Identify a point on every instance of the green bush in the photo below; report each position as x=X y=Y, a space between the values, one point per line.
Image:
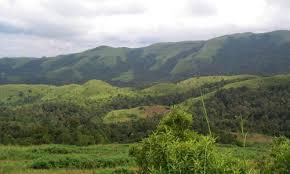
x=175 y=148
x=55 y=149
x=78 y=161
x=278 y=161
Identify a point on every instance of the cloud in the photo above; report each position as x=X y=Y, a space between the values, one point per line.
x=90 y=8
x=8 y=28
x=201 y=8
x=51 y=27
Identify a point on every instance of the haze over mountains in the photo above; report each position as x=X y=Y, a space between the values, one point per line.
x=244 y=53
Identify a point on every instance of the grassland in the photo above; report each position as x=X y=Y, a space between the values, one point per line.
x=97 y=159
x=65 y=159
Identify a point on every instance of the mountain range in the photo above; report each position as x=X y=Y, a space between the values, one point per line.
x=243 y=53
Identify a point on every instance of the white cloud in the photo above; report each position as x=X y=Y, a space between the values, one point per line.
x=51 y=27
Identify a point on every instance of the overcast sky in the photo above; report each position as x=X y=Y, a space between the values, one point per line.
x=51 y=27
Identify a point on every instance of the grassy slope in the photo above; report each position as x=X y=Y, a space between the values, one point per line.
x=189 y=84
x=194 y=83
x=97 y=89
x=163 y=89
x=92 y=90
x=142 y=112
x=206 y=53
x=251 y=83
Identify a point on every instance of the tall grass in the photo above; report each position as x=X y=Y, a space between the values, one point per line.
x=205 y=112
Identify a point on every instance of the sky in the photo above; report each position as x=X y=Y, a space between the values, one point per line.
x=36 y=28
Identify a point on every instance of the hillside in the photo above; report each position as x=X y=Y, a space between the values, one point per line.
x=245 y=53
x=97 y=90
x=97 y=112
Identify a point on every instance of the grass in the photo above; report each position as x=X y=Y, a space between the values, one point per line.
x=251 y=152
x=91 y=90
x=64 y=158
x=97 y=159
x=125 y=115
x=125 y=76
x=206 y=53
x=252 y=82
x=191 y=83
x=95 y=90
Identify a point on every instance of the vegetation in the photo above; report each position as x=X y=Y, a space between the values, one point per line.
x=21 y=159
x=111 y=159
x=175 y=148
x=278 y=161
x=97 y=112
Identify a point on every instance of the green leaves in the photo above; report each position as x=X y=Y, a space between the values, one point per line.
x=278 y=161
x=175 y=148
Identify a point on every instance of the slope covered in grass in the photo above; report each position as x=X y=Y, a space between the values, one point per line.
x=254 y=83
x=91 y=90
x=192 y=83
x=133 y=114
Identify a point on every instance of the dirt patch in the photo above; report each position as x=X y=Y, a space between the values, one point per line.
x=150 y=111
x=256 y=138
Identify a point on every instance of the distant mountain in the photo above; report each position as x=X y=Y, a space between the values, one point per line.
x=245 y=53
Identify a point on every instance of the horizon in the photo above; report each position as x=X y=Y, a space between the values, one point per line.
x=37 y=28
x=88 y=49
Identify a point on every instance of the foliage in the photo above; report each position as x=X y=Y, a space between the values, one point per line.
x=278 y=161
x=111 y=158
x=79 y=161
x=18 y=159
x=265 y=110
x=175 y=148
x=96 y=112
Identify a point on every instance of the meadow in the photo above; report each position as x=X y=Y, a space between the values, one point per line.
x=95 y=159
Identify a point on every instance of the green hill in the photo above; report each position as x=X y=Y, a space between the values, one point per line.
x=255 y=83
x=245 y=53
x=97 y=112
x=93 y=90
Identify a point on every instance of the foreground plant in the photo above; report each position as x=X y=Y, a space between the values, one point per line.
x=175 y=148
x=278 y=161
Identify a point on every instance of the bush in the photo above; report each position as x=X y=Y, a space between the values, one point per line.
x=55 y=149
x=78 y=161
x=174 y=148
x=278 y=161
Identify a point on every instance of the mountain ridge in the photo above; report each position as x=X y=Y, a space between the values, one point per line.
x=241 y=53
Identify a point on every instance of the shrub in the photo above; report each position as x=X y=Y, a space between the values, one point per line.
x=278 y=161
x=55 y=149
x=174 y=148
x=78 y=161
